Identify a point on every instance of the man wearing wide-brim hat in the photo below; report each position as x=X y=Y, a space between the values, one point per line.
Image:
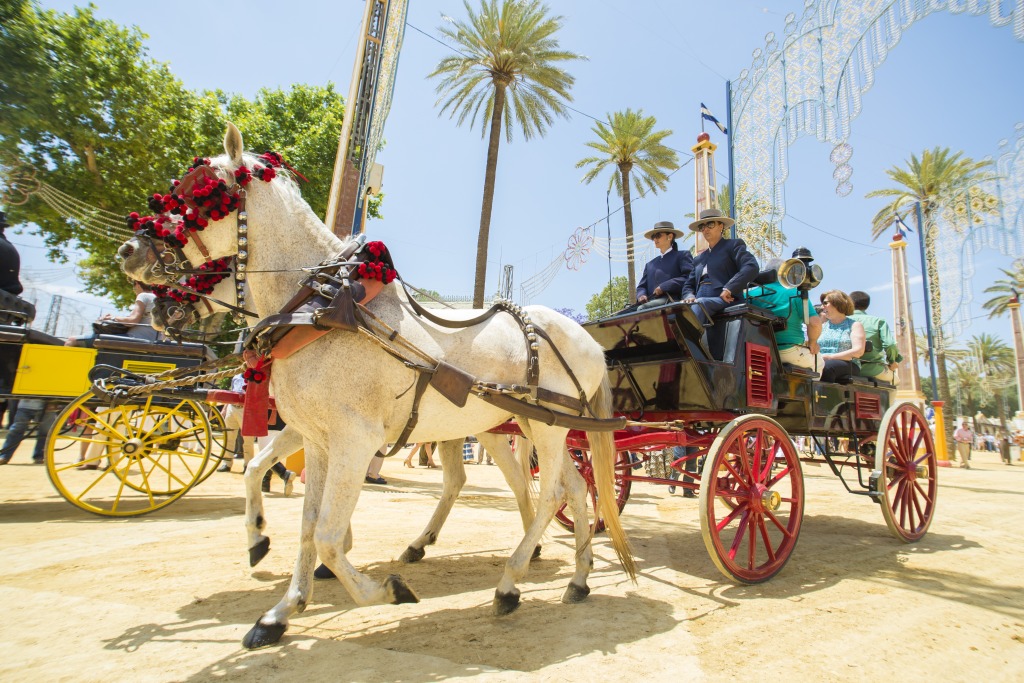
x=664 y=274
x=722 y=271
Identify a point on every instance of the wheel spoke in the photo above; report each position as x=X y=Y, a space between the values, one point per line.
x=755 y=469
x=738 y=541
x=733 y=514
x=765 y=539
x=775 y=520
x=779 y=477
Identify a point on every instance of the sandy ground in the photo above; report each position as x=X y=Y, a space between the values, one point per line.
x=168 y=597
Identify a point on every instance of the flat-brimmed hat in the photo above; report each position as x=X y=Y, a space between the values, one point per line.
x=711 y=216
x=663 y=226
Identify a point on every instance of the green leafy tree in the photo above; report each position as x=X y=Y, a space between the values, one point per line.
x=634 y=152
x=507 y=73
x=1006 y=289
x=97 y=119
x=931 y=182
x=612 y=298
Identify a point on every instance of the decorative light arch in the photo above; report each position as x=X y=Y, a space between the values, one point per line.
x=811 y=83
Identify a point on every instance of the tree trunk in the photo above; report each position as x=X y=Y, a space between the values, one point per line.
x=627 y=209
x=480 y=282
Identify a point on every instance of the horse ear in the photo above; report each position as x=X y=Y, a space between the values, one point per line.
x=233 y=144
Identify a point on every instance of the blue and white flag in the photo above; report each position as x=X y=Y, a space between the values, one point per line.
x=901 y=227
x=705 y=113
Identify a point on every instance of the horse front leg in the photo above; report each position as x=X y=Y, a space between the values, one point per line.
x=453 y=475
x=550 y=443
x=576 y=494
x=285 y=444
x=272 y=625
x=345 y=476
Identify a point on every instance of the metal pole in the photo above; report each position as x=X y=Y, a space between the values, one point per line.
x=927 y=304
x=732 y=168
x=608 y=225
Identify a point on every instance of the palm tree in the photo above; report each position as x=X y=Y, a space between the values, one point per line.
x=629 y=145
x=1007 y=289
x=507 y=51
x=929 y=183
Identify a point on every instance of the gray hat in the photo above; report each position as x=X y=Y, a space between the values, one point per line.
x=711 y=216
x=663 y=226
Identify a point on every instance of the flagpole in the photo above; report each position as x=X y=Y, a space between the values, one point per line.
x=732 y=168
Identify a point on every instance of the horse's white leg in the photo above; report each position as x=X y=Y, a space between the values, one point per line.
x=286 y=443
x=272 y=625
x=345 y=475
x=454 y=478
x=576 y=494
x=550 y=443
x=515 y=474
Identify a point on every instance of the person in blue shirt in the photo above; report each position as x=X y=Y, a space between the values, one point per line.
x=664 y=274
x=722 y=271
x=788 y=304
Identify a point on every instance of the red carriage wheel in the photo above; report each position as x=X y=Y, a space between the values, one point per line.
x=907 y=460
x=581 y=459
x=751 y=499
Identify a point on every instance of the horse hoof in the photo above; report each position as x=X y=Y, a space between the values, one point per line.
x=536 y=554
x=574 y=594
x=399 y=591
x=412 y=555
x=505 y=603
x=259 y=551
x=263 y=635
x=323 y=572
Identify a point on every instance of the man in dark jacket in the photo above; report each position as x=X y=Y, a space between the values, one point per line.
x=722 y=271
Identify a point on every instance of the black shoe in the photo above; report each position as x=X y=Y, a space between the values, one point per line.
x=375 y=480
x=225 y=466
x=689 y=494
x=323 y=572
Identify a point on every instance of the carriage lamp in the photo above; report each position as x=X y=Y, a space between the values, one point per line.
x=795 y=274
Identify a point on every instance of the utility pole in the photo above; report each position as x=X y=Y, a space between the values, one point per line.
x=53 y=315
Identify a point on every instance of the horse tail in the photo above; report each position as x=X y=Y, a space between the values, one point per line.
x=523 y=454
x=603 y=455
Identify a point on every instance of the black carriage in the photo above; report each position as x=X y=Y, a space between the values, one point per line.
x=723 y=394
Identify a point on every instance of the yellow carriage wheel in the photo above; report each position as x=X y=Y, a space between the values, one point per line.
x=127 y=460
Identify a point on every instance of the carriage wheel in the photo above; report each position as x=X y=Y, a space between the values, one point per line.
x=127 y=460
x=751 y=499
x=622 y=485
x=219 y=451
x=909 y=481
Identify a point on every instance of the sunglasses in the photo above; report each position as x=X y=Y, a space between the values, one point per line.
x=708 y=226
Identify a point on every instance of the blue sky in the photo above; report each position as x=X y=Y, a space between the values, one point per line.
x=950 y=82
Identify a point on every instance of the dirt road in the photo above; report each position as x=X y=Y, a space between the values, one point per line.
x=168 y=597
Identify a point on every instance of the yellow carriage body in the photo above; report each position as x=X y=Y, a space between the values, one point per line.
x=46 y=370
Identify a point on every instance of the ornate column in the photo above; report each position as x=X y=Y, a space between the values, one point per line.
x=704 y=182
x=1018 y=351
x=909 y=386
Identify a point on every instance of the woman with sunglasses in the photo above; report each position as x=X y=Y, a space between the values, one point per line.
x=842 y=338
x=664 y=274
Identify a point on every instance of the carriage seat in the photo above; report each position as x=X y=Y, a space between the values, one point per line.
x=746 y=307
x=25 y=335
x=791 y=369
x=866 y=382
x=110 y=342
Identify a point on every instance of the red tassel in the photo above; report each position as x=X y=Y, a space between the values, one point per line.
x=257 y=402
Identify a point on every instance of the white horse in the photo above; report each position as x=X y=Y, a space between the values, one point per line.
x=348 y=397
x=167 y=312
